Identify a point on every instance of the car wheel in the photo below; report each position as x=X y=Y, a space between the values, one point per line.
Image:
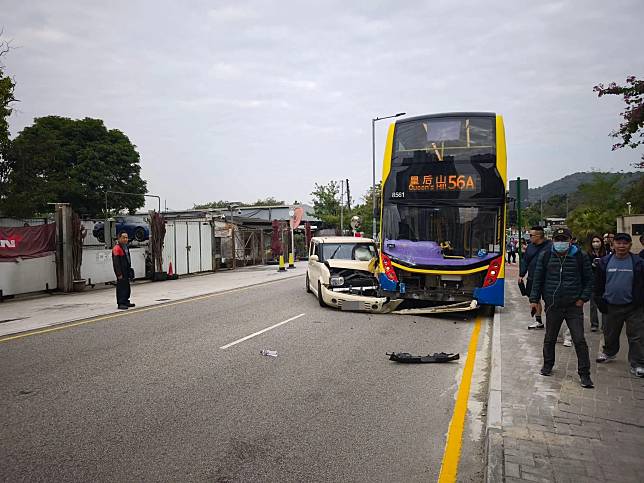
x=100 y=236
x=139 y=234
x=320 y=299
x=308 y=284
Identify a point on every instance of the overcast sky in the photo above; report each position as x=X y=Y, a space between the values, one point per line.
x=244 y=100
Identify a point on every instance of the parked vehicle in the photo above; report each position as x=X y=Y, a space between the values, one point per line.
x=341 y=274
x=136 y=228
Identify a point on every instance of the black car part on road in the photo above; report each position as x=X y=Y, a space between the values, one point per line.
x=436 y=357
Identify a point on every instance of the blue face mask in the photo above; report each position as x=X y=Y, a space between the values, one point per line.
x=561 y=246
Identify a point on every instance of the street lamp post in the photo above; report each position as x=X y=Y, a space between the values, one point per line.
x=373 y=171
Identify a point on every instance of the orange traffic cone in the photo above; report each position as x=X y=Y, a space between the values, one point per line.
x=170 y=271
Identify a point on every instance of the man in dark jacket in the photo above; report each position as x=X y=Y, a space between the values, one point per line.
x=619 y=294
x=123 y=270
x=563 y=278
x=528 y=263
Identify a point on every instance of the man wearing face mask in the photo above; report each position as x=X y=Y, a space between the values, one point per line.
x=563 y=278
x=619 y=293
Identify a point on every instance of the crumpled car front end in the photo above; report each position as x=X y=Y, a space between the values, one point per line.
x=352 y=286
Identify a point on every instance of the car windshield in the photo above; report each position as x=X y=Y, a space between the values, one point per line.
x=362 y=252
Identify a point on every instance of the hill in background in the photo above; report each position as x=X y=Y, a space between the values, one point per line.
x=569 y=184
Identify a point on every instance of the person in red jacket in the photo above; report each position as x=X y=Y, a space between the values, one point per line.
x=123 y=271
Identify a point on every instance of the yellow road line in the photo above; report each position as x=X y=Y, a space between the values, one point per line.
x=130 y=312
x=452 y=454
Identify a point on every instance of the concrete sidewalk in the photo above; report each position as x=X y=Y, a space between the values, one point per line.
x=550 y=428
x=25 y=314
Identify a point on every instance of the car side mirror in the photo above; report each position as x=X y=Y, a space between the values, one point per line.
x=314 y=258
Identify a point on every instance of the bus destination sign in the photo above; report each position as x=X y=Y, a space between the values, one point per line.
x=443 y=183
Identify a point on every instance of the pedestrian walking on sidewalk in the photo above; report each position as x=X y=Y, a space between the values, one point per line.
x=595 y=252
x=563 y=278
x=619 y=294
x=511 y=249
x=527 y=265
x=123 y=271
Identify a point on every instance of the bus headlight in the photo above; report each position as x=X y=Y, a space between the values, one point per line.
x=337 y=281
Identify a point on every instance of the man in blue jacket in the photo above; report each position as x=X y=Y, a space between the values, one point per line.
x=619 y=293
x=563 y=278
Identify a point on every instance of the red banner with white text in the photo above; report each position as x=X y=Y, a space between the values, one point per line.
x=27 y=242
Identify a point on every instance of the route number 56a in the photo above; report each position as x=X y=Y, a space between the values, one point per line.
x=398 y=194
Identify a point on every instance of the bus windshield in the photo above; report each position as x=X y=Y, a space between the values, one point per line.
x=446 y=138
x=459 y=231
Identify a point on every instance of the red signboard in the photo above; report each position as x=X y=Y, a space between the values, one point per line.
x=27 y=242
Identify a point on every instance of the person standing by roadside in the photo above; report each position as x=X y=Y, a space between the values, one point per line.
x=608 y=242
x=123 y=271
x=563 y=278
x=527 y=265
x=512 y=251
x=642 y=243
x=619 y=294
x=595 y=252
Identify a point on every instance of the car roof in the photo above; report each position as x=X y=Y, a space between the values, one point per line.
x=341 y=239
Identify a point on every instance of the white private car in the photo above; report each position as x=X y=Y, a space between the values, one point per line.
x=341 y=274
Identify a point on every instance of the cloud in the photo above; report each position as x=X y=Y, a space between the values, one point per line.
x=256 y=99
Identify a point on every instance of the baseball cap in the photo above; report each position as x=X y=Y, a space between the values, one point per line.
x=623 y=236
x=562 y=233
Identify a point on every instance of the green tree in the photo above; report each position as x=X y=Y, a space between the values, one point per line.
x=214 y=204
x=634 y=194
x=269 y=201
x=633 y=116
x=326 y=203
x=602 y=192
x=587 y=221
x=6 y=99
x=365 y=210
x=73 y=161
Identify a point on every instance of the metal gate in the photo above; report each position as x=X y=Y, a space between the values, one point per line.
x=188 y=245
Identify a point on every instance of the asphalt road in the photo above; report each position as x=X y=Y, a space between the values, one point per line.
x=151 y=396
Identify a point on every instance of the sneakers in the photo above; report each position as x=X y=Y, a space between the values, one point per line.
x=637 y=371
x=603 y=357
x=546 y=371
x=586 y=382
x=536 y=325
x=567 y=342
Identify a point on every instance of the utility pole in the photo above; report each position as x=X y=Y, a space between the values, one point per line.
x=341 y=207
x=519 y=217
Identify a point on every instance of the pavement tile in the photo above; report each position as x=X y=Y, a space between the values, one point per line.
x=523 y=459
x=552 y=428
x=512 y=469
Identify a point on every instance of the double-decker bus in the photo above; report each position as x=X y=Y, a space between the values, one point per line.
x=443 y=209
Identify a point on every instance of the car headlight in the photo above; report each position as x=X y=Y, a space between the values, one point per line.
x=337 y=281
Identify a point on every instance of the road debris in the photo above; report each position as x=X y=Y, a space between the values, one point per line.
x=269 y=353
x=436 y=357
